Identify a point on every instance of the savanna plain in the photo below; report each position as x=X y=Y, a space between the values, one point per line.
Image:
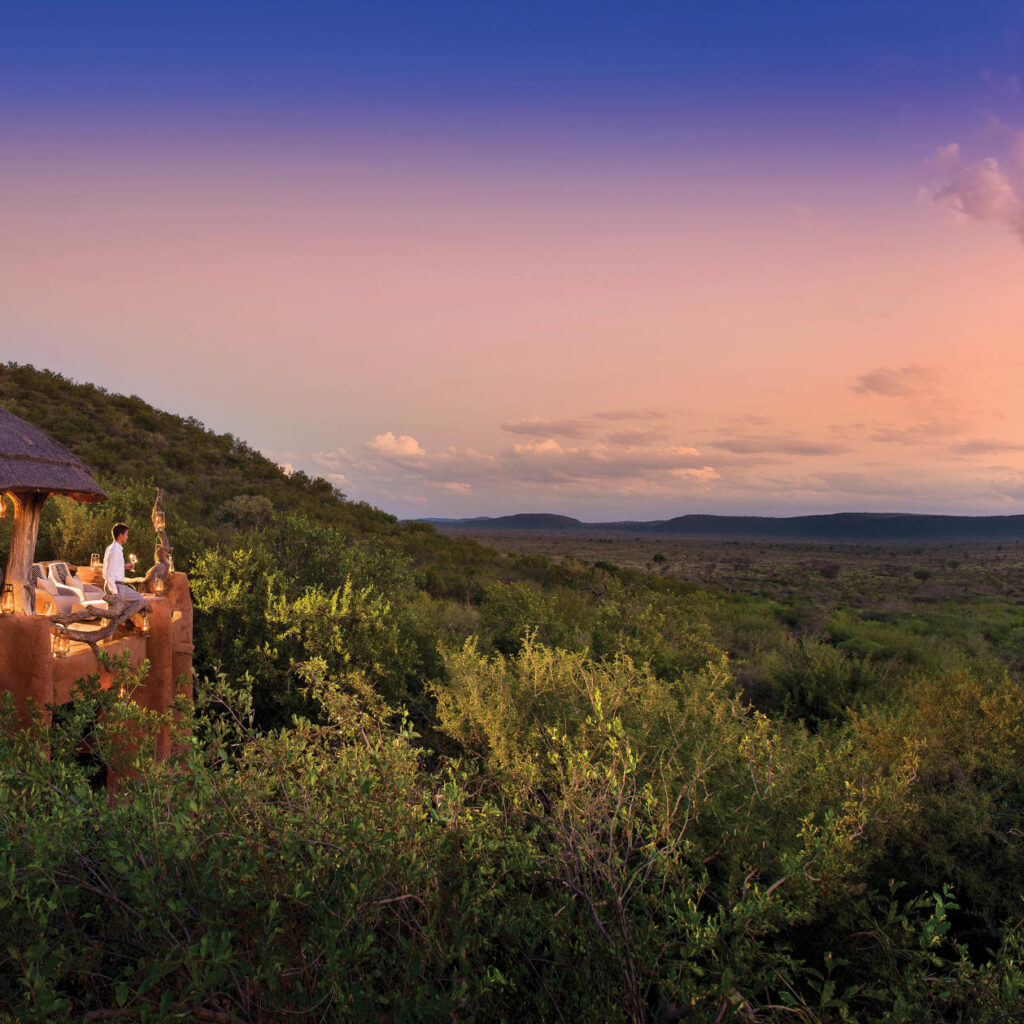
x=531 y=777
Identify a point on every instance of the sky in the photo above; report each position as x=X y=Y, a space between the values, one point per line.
x=609 y=260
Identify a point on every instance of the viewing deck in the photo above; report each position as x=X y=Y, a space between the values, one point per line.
x=37 y=677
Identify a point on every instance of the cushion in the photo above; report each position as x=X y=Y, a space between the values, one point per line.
x=85 y=588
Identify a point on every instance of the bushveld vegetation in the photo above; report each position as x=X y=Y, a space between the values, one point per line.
x=426 y=781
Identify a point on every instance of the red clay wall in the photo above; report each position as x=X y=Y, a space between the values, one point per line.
x=30 y=672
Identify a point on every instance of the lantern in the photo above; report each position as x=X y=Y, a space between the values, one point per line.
x=61 y=642
x=159 y=521
x=170 y=563
x=144 y=625
x=95 y=562
x=158 y=585
x=7 y=601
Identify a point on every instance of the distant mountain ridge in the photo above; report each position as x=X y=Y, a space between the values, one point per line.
x=839 y=526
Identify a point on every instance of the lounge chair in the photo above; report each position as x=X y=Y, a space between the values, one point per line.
x=46 y=591
x=60 y=573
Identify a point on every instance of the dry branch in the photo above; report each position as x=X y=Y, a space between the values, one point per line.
x=162 y=566
x=118 y=612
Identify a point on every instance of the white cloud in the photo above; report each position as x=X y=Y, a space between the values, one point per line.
x=401 y=447
x=549 y=446
x=705 y=474
x=285 y=461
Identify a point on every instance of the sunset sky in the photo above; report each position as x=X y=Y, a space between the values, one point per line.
x=612 y=260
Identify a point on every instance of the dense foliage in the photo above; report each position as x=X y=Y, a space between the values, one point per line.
x=426 y=781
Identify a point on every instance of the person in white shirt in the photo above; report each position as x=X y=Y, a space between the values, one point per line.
x=113 y=571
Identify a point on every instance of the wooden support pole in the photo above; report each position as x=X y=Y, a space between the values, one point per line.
x=28 y=506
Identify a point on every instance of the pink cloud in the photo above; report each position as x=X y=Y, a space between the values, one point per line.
x=982 y=191
x=630 y=414
x=932 y=432
x=893 y=382
x=537 y=427
x=401 y=447
x=985 y=190
x=634 y=438
x=1008 y=85
x=780 y=446
x=943 y=156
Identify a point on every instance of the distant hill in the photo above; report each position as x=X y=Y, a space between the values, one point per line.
x=522 y=521
x=876 y=527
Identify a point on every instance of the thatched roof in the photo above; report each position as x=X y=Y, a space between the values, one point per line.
x=32 y=461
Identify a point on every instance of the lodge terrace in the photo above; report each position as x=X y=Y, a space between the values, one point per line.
x=55 y=619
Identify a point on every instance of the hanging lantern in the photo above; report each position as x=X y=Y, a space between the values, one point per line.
x=158 y=585
x=61 y=642
x=159 y=520
x=95 y=562
x=7 y=601
x=170 y=563
x=144 y=626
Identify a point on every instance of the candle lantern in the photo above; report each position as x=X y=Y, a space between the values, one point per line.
x=7 y=601
x=95 y=562
x=144 y=626
x=159 y=520
x=61 y=642
x=170 y=563
x=158 y=585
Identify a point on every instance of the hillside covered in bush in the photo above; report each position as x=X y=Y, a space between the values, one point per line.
x=425 y=781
